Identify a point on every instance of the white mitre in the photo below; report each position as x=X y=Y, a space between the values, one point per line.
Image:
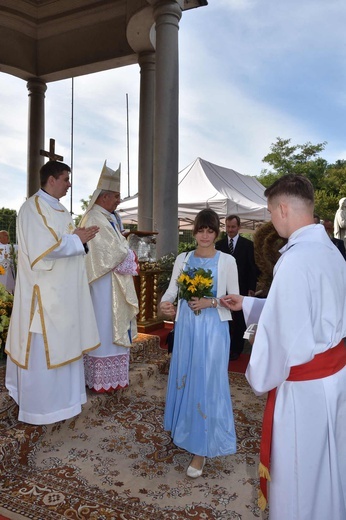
x=109 y=180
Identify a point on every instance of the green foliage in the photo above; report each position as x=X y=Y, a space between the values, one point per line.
x=165 y=264
x=300 y=159
x=326 y=204
x=328 y=180
x=267 y=179
x=334 y=182
x=185 y=247
x=8 y=219
x=85 y=203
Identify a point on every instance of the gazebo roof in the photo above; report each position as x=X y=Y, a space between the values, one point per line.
x=58 y=39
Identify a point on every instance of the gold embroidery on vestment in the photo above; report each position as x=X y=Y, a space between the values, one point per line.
x=36 y=293
x=45 y=253
x=38 y=207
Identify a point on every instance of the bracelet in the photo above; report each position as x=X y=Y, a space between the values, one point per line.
x=213 y=302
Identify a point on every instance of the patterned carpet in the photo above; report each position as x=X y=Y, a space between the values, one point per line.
x=114 y=461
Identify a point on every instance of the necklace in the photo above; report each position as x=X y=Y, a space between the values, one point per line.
x=213 y=253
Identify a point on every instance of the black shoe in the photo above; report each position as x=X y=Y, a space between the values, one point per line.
x=234 y=356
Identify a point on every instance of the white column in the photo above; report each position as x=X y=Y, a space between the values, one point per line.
x=146 y=62
x=37 y=89
x=167 y=14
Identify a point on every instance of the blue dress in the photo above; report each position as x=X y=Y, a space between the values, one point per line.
x=198 y=410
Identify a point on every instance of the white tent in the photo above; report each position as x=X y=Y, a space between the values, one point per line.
x=205 y=185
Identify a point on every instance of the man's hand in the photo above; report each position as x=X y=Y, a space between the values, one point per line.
x=168 y=309
x=234 y=302
x=86 y=234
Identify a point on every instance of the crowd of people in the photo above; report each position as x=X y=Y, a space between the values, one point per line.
x=74 y=319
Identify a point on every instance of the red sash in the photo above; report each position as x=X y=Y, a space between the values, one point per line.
x=322 y=365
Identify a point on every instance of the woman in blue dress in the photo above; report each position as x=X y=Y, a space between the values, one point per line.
x=198 y=410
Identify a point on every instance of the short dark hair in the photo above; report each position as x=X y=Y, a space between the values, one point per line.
x=207 y=218
x=231 y=217
x=54 y=168
x=291 y=185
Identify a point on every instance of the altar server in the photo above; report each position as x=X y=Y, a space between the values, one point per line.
x=299 y=357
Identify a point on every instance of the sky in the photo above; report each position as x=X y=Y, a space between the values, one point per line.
x=249 y=71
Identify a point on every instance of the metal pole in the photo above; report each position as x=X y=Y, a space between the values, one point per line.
x=72 y=132
x=128 y=145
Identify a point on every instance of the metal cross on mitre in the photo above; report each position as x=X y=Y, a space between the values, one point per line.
x=51 y=154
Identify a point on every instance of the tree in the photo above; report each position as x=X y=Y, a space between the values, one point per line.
x=335 y=179
x=8 y=218
x=84 y=207
x=299 y=159
x=328 y=180
x=326 y=204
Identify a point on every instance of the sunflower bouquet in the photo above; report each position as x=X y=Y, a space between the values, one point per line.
x=195 y=282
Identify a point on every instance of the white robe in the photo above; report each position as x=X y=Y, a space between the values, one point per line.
x=115 y=303
x=107 y=367
x=304 y=315
x=53 y=321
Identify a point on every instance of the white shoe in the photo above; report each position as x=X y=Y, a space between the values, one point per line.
x=193 y=472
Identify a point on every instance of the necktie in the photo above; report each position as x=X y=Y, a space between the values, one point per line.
x=230 y=246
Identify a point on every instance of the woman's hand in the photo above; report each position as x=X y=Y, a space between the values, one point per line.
x=197 y=304
x=168 y=309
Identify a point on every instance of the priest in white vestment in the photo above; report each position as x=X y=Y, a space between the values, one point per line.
x=53 y=322
x=299 y=357
x=111 y=265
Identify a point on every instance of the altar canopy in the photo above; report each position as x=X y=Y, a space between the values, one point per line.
x=206 y=185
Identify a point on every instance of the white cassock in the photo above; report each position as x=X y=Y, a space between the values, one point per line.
x=303 y=315
x=115 y=303
x=53 y=321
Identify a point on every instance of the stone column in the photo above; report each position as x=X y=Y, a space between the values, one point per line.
x=37 y=89
x=146 y=62
x=167 y=14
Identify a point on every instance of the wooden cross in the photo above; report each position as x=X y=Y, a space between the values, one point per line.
x=51 y=154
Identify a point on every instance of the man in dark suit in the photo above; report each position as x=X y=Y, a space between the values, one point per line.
x=329 y=227
x=243 y=251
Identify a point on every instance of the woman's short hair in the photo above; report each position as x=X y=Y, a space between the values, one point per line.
x=207 y=218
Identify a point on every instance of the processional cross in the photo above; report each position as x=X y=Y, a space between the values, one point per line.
x=51 y=154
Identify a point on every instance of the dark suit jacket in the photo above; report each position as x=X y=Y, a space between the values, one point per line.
x=340 y=245
x=245 y=258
